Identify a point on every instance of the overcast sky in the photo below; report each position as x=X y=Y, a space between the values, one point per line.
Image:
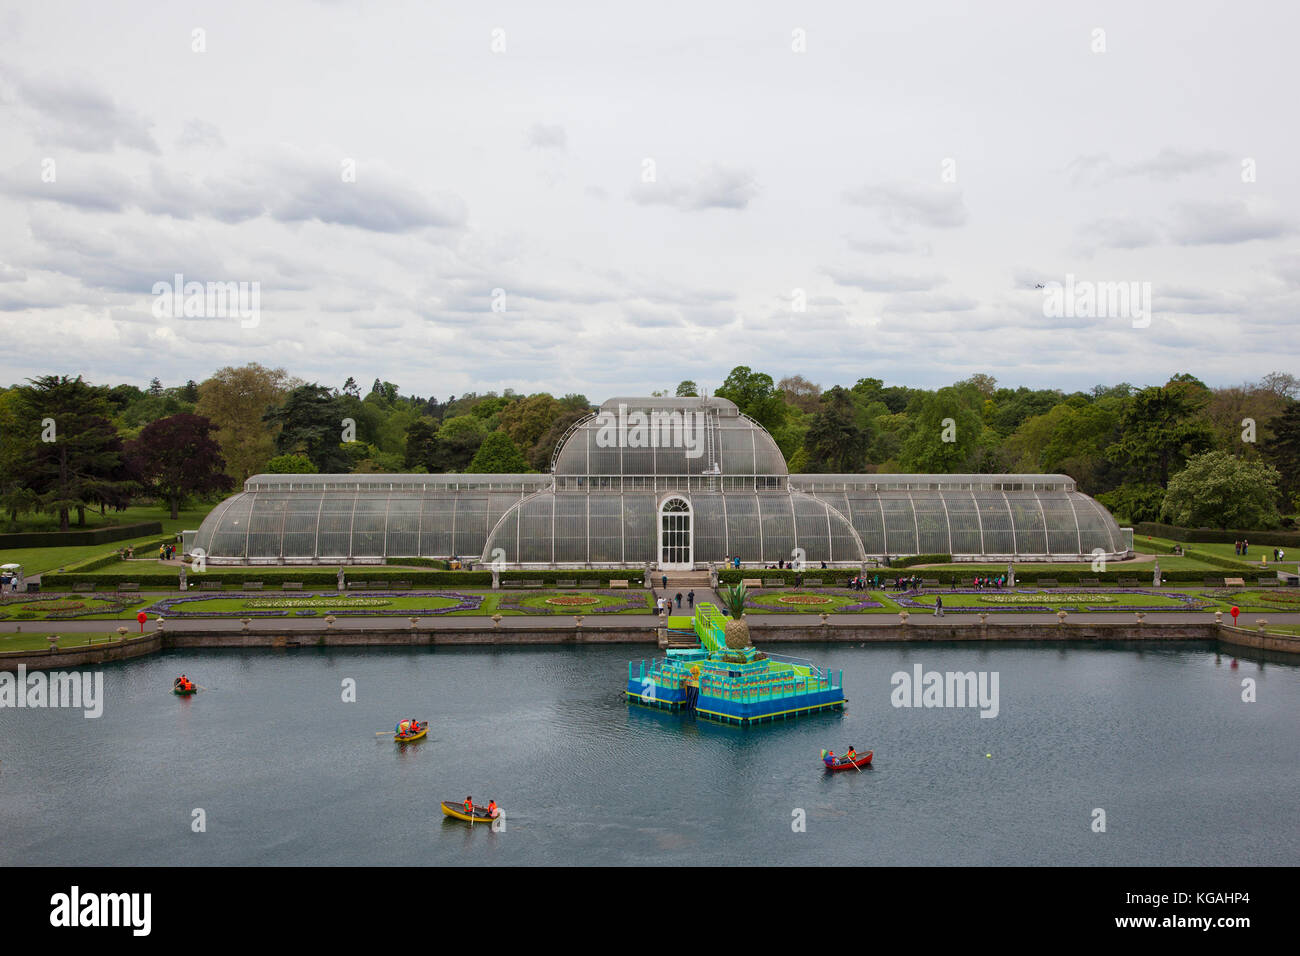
x=914 y=170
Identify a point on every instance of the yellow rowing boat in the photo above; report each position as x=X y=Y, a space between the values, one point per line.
x=457 y=811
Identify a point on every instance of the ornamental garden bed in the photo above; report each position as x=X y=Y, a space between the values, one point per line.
x=816 y=602
x=425 y=604
x=1033 y=599
x=59 y=607
x=583 y=602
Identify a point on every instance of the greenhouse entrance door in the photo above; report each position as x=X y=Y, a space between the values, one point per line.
x=676 y=550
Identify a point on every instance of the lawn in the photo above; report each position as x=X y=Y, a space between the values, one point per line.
x=40 y=642
x=818 y=602
x=188 y=519
x=82 y=607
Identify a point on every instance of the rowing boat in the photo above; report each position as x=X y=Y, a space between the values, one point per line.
x=457 y=811
x=183 y=692
x=420 y=731
x=844 y=763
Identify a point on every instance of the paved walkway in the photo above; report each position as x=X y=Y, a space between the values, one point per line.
x=757 y=622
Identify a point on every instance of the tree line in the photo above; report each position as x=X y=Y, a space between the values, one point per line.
x=1180 y=451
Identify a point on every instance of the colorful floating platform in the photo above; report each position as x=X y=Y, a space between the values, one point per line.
x=738 y=687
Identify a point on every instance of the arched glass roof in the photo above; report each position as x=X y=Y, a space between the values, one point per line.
x=612 y=472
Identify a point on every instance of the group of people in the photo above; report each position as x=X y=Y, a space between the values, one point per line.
x=665 y=603
x=1241 y=547
x=996 y=584
x=1279 y=555
x=408 y=727
x=849 y=757
x=166 y=552
x=183 y=683
x=126 y=553
x=492 y=808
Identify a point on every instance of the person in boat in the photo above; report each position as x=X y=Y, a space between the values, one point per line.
x=492 y=809
x=469 y=805
x=852 y=754
x=830 y=757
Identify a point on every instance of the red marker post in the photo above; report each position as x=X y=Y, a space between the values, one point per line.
x=142 y=617
x=1234 y=612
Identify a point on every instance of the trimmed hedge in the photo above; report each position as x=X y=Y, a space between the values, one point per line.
x=318 y=577
x=95 y=564
x=913 y=559
x=947 y=578
x=68 y=539
x=1272 y=539
x=436 y=563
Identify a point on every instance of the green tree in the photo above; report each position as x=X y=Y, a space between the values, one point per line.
x=1159 y=431
x=755 y=394
x=75 y=455
x=1283 y=448
x=459 y=439
x=311 y=423
x=236 y=401
x=944 y=437
x=1219 y=490
x=498 y=455
x=687 y=389
x=291 y=465
x=421 y=445
x=836 y=441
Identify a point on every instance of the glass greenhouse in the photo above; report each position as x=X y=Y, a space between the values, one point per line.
x=676 y=483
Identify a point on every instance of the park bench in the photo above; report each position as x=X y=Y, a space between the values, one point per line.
x=291 y=586
x=1267 y=582
x=752 y=583
x=378 y=585
x=128 y=586
x=512 y=584
x=588 y=584
x=209 y=585
x=561 y=583
x=1089 y=582
x=620 y=583
x=1214 y=582
x=356 y=585
x=929 y=582
x=1128 y=582
x=1234 y=582
x=252 y=586
x=1048 y=583
x=773 y=582
x=401 y=585
x=91 y=587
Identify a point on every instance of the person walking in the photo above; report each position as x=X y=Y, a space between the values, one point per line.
x=664 y=580
x=938 y=605
x=690 y=598
x=679 y=600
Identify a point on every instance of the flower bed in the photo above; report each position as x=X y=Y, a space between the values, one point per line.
x=573 y=600
x=317 y=602
x=59 y=607
x=175 y=607
x=1045 y=601
x=804 y=599
x=606 y=602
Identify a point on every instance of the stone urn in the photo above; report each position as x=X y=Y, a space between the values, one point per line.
x=902 y=617
x=159 y=622
x=1218 y=617
x=1060 y=617
x=245 y=621
x=496 y=620
x=54 y=643
x=1140 y=616
x=329 y=620
x=577 y=620
x=825 y=617
x=414 y=621
x=1262 y=623
x=121 y=633
x=984 y=618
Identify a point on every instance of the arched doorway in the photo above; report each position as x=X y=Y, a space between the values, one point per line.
x=676 y=547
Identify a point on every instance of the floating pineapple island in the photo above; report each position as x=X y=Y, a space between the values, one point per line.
x=726 y=678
